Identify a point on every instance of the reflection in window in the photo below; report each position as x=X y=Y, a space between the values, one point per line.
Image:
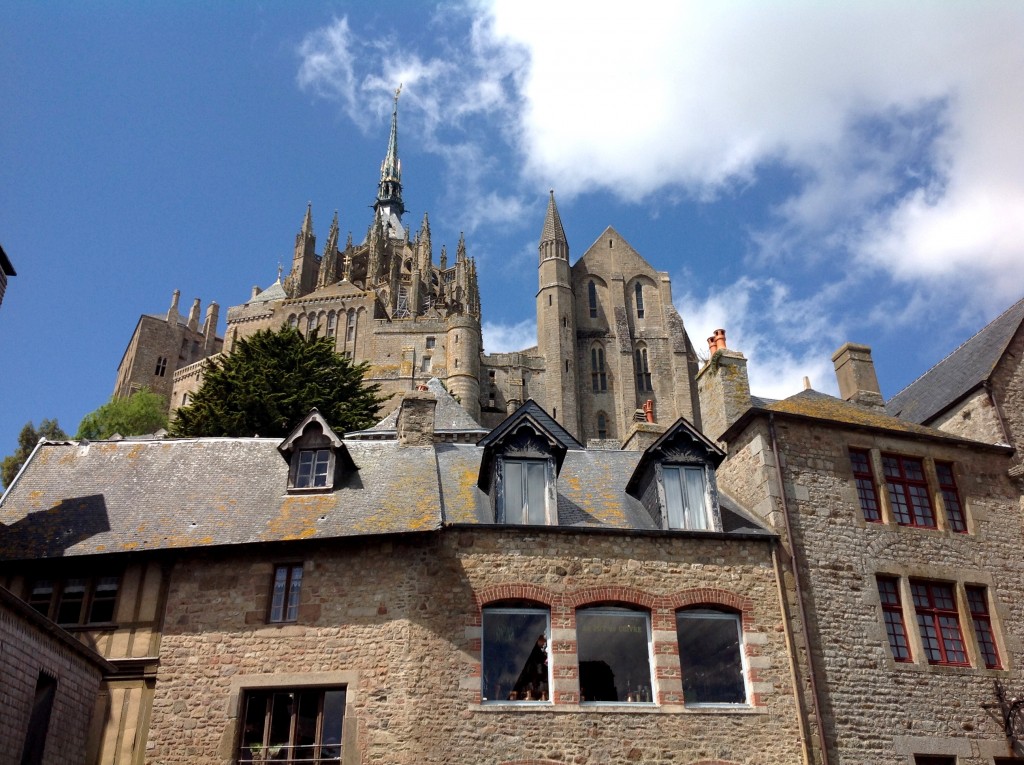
x=614 y=655
x=313 y=464
x=293 y=726
x=284 y=601
x=525 y=487
x=515 y=654
x=684 y=497
x=711 y=657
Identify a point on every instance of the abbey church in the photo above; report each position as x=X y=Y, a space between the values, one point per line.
x=610 y=344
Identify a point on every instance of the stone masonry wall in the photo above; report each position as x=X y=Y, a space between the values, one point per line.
x=975 y=418
x=398 y=622
x=1008 y=387
x=876 y=710
x=25 y=651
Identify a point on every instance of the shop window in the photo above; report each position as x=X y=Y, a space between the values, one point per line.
x=515 y=665
x=864 y=478
x=892 y=614
x=76 y=600
x=685 y=496
x=908 y=491
x=294 y=726
x=592 y=298
x=711 y=656
x=939 y=622
x=598 y=375
x=951 y=497
x=614 y=655
x=525 y=489
x=285 y=592
x=977 y=603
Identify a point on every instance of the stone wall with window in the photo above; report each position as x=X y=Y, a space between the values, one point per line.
x=482 y=645
x=909 y=555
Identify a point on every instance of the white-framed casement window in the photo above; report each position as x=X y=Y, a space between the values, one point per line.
x=313 y=468
x=292 y=725
x=524 y=491
x=614 y=648
x=711 y=657
x=686 y=496
x=514 y=654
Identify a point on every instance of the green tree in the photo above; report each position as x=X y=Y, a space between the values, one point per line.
x=142 y=412
x=27 y=440
x=270 y=381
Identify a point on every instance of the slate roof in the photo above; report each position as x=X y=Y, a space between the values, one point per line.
x=811 y=405
x=274 y=292
x=962 y=371
x=79 y=498
x=449 y=417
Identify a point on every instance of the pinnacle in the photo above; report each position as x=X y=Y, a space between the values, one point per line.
x=553 y=230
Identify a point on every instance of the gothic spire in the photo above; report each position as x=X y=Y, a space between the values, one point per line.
x=553 y=243
x=307 y=222
x=389 y=193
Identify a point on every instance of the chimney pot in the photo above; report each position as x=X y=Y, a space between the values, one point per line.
x=719 y=336
x=649 y=410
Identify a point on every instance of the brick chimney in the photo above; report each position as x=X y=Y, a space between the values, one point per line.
x=723 y=387
x=415 y=423
x=855 y=373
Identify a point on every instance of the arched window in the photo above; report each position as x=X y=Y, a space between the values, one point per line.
x=314 y=325
x=602 y=425
x=515 y=652
x=332 y=324
x=643 y=371
x=711 y=656
x=592 y=298
x=614 y=648
x=350 y=333
x=293 y=321
x=639 y=300
x=598 y=376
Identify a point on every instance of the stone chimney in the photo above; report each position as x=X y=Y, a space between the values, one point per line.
x=641 y=435
x=723 y=387
x=855 y=373
x=193 y=316
x=415 y=423
x=255 y=291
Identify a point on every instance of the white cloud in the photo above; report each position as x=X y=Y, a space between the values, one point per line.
x=505 y=338
x=903 y=121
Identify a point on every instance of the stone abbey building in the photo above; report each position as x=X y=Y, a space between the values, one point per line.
x=609 y=339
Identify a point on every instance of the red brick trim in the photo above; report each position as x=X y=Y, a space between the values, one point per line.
x=711 y=596
x=499 y=592
x=532 y=762
x=613 y=594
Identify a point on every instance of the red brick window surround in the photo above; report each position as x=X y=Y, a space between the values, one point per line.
x=285 y=592
x=864 y=478
x=908 y=491
x=515 y=664
x=892 y=615
x=977 y=603
x=951 y=497
x=939 y=622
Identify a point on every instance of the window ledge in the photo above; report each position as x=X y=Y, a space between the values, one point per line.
x=948 y=669
x=614 y=708
x=310 y=489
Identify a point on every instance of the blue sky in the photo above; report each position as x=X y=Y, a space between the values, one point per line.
x=807 y=173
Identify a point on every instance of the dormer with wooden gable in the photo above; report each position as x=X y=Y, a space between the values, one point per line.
x=317 y=458
x=520 y=465
x=675 y=480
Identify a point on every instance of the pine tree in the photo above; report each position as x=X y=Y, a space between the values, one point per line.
x=27 y=440
x=270 y=381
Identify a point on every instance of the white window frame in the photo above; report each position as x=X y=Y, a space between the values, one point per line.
x=316 y=460
x=622 y=612
x=506 y=610
x=710 y=611
x=547 y=499
x=667 y=496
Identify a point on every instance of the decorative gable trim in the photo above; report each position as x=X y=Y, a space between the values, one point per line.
x=549 y=440
x=314 y=437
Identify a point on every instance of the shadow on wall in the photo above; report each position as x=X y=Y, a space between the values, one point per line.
x=49 y=533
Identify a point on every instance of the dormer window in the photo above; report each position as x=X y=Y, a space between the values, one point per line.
x=317 y=457
x=686 y=505
x=313 y=467
x=675 y=480
x=521 y=460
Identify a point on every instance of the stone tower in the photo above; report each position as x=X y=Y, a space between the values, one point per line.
x=556 y=322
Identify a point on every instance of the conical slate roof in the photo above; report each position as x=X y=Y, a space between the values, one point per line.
x=553 y=230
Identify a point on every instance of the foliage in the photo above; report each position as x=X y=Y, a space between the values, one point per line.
x=27 y=440
x=142 y=412
x=270 y=381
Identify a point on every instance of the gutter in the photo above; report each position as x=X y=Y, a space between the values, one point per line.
x=805 y=633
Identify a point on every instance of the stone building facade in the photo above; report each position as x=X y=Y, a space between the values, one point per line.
x=609 y=340
x=48 y=688
x=407 y=606
x=903 y=544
